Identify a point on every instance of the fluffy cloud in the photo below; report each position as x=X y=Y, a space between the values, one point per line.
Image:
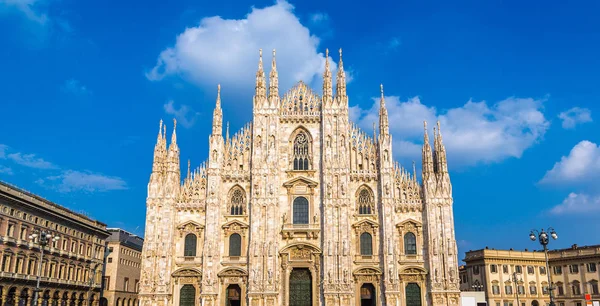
x=71 y=180
x=577 y=203
x=29 y=8
x=581 y=166
x=75 y=87
x=62 y=180
x=574 y=116
x=225 y=51
x=319 y=18
x=5 y=170
x=183 y=114
x=474 y=133
x=30 y=160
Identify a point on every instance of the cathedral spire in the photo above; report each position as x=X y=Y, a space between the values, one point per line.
x=273 y=83
x=427 y=156
x=441 y=164
x=218 y=114
x=327 y=82
x=260 y=88
x=227 y=133
x=384 y=128
x=158 y=150
x=340 y=86
x=174 y=135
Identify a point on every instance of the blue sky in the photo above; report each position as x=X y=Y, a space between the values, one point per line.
x=515 y=86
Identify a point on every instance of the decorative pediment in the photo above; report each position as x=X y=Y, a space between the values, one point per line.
x=190 y=227
x=233 y=272
x=300 y=180
x=300 y=251
x=414 y=270
x=367 y=271
x=187 y=272
x=410 y=225
x=366 y=225
x=234 y=226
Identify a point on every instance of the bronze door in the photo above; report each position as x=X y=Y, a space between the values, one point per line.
x=300 y=288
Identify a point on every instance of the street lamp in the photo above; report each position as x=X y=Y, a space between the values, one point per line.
x=44 y=239
x=544 y=239
x=477 y=286
x=516 y=281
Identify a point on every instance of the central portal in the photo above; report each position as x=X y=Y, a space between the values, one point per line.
x=300 y=287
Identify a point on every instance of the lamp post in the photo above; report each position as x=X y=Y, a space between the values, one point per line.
x=477 y=286
x=44 y=239
x=544 y=239
x=516 y=281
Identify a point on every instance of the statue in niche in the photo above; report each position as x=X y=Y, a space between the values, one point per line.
x=270 y=275
x=329 y=189
x=391 y=275
x=329 y=248
x=271 y=189
x=343 y=189
x=387 y=188
x=437 y=275
x=345 y=248
x=284 y=218
x=345 y=273
x=212 y=187
x=256 y=189
x=315 y=219
x=255 y=272
x=255 y=246
x=435 y=252
x=329 y=276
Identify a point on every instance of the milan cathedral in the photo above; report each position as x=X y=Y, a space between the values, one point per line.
x=300 y=207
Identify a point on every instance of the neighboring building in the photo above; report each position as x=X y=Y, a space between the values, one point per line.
x=300 y=207
x=574 y=273
x=122 y=274
x=71 y=268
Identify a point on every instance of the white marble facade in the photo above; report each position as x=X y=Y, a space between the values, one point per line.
x=300 y=207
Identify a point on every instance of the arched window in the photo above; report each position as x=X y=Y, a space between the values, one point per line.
x=365 y=202
x=413 y=294
x=190 y=245
x=237 y=202
x=366 y=244
x=300 y=212
x=410 y=244
x=301 y=156
x=235 y=245
x=187 y=295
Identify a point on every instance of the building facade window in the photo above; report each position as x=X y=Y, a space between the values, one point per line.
x=530 y=270
x=493 y=268
x=495 y=288
x=591 y=267
x=543 y=270
x=521 y=289
x=574 y=268
x=410 y=244
x=190 y=245
x=532 y=288
x=557 y=270
x=126 y=284
x=366 y=244
x=300 y=212
x=187 y=295
x=576 y=288
x=301 y=156
x=508 y=289
x=475 y=270
x=519 y=269
x=365 y=202
x=594 y=287
x=237 y=202
x=560 y=289
x=505 y=269
x=235 y=245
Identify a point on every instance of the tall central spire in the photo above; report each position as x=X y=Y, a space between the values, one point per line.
x=273 y=83
x=327 y=82
x=427 y=156
x=340 y=86
x=260 y=89
x=218 y=114
x=383 y=115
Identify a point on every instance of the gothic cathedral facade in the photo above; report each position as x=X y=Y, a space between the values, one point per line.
x=298 y=208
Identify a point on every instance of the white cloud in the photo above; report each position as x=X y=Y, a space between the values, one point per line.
x=581 y=166
x=577 y=203
x=3 y=149
x=225 y=51
x=5 y=170
x=29 y=8
x=317 y=18
x=472 y=133
x=75 y=87
x=184 y=114
x=31 y=161
x=71 y=180
x=394 y=43
x=576 y=115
